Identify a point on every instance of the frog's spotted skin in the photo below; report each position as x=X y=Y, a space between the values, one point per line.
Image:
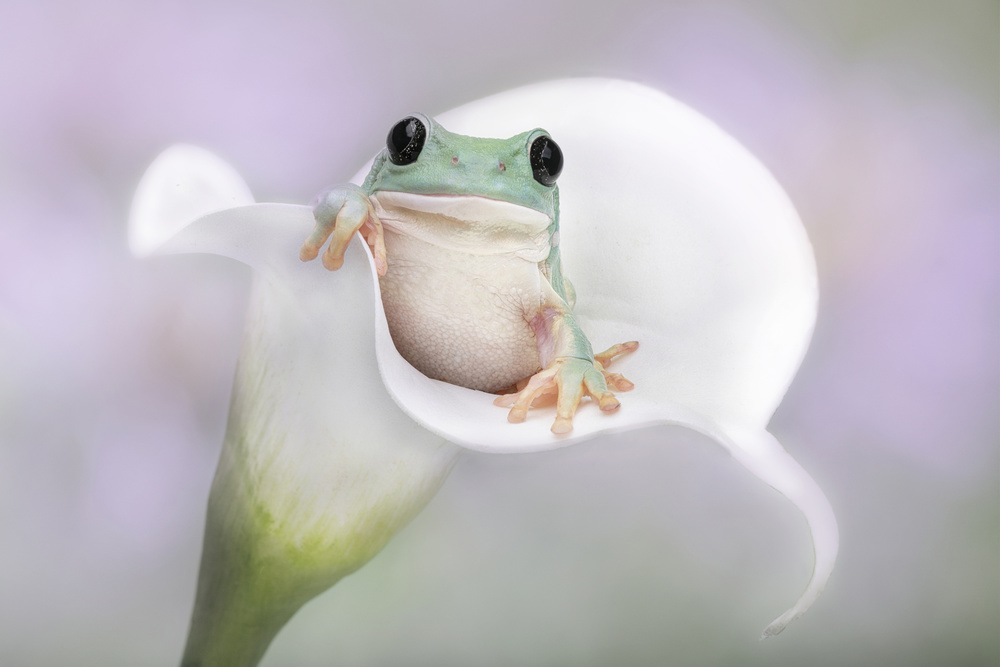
x=465 y=232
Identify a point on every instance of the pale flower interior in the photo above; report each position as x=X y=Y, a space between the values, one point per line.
x=672 y=233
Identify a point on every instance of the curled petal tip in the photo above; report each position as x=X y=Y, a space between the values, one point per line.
x=778 y=625
x=182 y=184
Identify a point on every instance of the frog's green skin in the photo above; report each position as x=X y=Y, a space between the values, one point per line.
x=466 y=244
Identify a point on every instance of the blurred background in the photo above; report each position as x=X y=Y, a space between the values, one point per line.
x=882 y=121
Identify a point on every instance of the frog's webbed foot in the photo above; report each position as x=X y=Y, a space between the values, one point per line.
x=340 y=211
x=564 y=382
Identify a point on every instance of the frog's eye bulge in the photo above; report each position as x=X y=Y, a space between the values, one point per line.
x=546 y=160
x=405 y=140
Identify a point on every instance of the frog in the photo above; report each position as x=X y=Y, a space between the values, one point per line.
x=464 y=234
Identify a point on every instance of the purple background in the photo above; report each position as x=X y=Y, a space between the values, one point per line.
x=879 y=118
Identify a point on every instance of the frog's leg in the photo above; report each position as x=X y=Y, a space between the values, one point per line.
x=569 y=368
x=340 y=211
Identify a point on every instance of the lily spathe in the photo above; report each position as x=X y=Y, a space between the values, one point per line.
x=673 y=234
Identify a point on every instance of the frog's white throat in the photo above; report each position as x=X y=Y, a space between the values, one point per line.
x=466 y=223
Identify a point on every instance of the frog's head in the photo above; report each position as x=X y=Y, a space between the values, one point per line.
x=421 y=157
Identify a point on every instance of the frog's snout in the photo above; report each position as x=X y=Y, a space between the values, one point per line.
x=501 y=166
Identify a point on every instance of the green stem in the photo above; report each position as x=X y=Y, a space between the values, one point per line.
x=318 y=471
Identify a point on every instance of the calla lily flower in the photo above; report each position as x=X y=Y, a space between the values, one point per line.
x=673 y=234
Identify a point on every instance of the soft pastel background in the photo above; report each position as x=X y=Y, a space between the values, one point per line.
x=880 y=118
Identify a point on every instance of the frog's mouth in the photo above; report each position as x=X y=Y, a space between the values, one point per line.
x=466 y=223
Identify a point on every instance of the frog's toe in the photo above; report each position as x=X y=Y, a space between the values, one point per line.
x=505 y=400
x=596 y=385
x=340 y=211
x=618 y=381
x=606 y=357
x=544 y=398
x=537 y=385
x=308 y=252
x=607 y=401
x=571 y=388
x=376 y=241
x=333 y=258
x=312 y=245
x=562 y=425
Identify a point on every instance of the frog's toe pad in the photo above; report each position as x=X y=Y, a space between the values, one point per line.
x=618 y=381
x=608 y=403
x=606 y=357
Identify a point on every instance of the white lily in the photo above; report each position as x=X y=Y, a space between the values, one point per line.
x=673 y=234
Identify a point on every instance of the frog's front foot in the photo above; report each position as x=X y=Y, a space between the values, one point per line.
x=340 y=211
x=567 y=379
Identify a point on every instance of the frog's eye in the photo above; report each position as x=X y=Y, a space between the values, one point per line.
x=405 y=140
x=546 y=160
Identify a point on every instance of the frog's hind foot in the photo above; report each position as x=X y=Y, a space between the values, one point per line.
x=547 y=396
x=564 y=383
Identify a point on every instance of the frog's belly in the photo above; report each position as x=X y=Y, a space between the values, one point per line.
x=459 y=317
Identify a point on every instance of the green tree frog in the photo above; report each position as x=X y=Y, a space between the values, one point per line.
x=464 y=232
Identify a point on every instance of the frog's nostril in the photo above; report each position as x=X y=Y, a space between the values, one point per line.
x=501 y=166
x=454 y=159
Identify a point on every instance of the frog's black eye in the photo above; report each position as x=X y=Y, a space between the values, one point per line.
x=405 y=140
x=546 y=160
